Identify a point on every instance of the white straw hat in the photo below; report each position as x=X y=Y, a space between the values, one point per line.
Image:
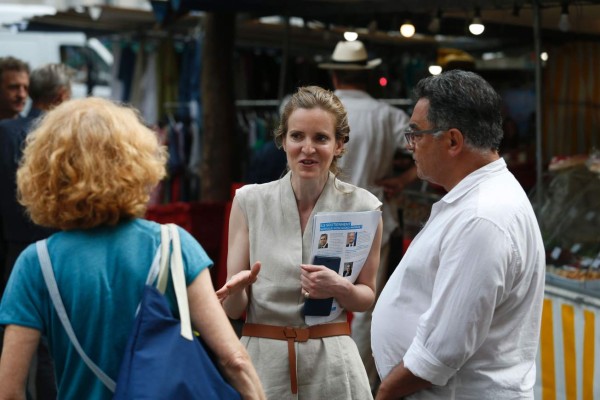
x=350 y=56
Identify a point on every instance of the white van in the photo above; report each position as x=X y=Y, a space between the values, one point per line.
x=88 y=57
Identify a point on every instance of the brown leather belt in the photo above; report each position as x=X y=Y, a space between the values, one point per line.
x=292 y=335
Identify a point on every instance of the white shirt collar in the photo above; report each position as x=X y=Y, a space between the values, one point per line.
x=473 y=179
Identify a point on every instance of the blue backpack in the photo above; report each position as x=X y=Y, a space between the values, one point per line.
x=163 y=358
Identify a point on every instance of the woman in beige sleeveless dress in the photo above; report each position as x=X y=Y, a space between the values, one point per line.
x=269 y=271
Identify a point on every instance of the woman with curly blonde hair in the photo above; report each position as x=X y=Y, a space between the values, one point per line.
x=88 y=169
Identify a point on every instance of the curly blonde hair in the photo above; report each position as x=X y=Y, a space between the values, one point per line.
x=309 y=97
x=89 y=162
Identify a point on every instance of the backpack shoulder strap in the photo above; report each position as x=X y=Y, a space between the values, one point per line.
x=46 y=265
x=178 y=276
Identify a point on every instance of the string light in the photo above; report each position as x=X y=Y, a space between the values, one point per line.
x=350 y=36
x=476 y=27
x=435 y=69
x=434 y=25
x=407 y=29
x=563 y=21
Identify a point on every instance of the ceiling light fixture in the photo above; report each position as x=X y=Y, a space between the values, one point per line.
x=476 y=27
x=434 y=25
x=350 y=36
x=563 y=21
x=435 y=69
x=95 y=12
x=407 y=29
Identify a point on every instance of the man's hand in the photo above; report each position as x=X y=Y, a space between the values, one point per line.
x=400 y=382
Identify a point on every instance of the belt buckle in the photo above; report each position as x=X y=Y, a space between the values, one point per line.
x=289 y=332
x=298 y=334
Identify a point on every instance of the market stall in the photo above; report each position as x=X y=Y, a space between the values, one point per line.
x=570 y=223
x=567 y=363
x=567 y=200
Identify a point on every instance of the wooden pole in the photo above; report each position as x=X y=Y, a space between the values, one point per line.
x=539 y=158
x=218 y=107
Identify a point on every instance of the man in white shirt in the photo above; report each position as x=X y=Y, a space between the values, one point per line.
x=376 y=134
x=460 y=316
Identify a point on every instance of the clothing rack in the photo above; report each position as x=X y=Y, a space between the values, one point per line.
x=191 y=106
x=184 y=143
x=256 y=121
x=159 y=34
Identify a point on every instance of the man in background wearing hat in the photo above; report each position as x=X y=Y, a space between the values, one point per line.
x=376 y=133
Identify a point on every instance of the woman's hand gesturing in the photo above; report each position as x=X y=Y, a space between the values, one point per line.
x=239 y=281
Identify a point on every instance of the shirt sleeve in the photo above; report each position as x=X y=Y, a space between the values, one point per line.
x=22 y=302
x=194 y=256
x=475 y=262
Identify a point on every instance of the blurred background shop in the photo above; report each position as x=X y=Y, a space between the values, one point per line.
x=210 y=77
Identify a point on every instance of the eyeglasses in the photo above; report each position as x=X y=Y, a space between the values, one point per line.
x=410 y=135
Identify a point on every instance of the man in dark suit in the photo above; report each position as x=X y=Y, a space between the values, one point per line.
x=351 y=239
x=347 y=269
x=49 y=86
x=14 y=84
x=323 y=241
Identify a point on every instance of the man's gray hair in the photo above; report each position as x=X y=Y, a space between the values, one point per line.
x=46 y=82
x=466 y=101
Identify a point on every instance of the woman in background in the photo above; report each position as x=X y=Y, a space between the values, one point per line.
x=88 y=169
